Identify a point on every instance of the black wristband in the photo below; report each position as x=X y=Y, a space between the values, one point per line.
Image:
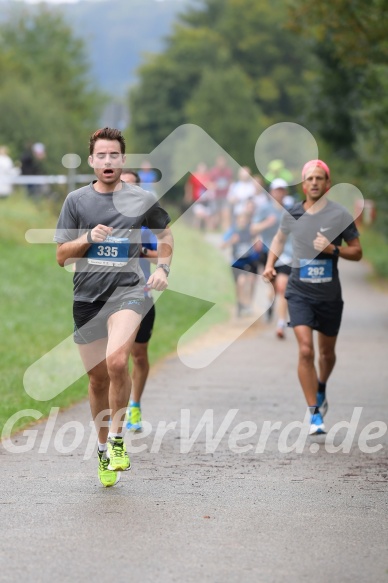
x=89 y=237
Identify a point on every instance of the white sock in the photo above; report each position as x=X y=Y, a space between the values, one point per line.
x=114 y=435
x=102 y=446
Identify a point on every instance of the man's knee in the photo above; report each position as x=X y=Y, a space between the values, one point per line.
x=327 y=354
x=306 y=352
x=117 y=365
x=140 y=355
x=98 y=383
x=140 y=360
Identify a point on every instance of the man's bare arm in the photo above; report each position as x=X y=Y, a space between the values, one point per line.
x=352 y=252
x=158 y=279
x=257 y=228
x=274 y=253
x=69 y=252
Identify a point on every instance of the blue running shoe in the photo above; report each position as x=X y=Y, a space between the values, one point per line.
x=317 y=426
x=322 y=403
x=134 y=420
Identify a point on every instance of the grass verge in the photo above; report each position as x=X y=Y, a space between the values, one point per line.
x=375 y=251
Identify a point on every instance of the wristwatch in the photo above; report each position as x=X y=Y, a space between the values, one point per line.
x=336 y=251
x=144 y=250
x=165 y=268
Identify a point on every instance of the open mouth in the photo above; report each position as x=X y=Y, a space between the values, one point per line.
x=108 y=172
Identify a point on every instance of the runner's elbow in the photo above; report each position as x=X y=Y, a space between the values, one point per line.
x=60 y=259
x=356 y=255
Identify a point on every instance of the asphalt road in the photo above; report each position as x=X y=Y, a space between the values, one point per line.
x=192 y=509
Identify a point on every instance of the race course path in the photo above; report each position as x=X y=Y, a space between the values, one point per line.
x=211 y=513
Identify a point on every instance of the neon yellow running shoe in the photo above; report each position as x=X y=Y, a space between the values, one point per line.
x=106 y=476
x=118 y=456
x=134 y=421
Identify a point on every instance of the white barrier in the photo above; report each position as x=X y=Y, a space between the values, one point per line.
x=53 y=179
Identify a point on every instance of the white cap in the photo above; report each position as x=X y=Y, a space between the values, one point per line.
x=278 y=183
x=38 y=148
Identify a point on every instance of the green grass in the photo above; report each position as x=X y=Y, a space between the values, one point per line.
x=36 y=302
x=375 y=250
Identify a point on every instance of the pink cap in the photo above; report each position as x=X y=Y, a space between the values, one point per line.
x=314 y=164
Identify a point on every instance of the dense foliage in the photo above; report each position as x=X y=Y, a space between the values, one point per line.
x=231 y=67
x=235 y=67
x=46 y=95
x=350 y=40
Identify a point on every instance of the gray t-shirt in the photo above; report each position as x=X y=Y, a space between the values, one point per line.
x=267 y=210
x=315 y=276
x=126 y=211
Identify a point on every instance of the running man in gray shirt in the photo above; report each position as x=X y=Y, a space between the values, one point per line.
x=318 y=228
x=99 y=231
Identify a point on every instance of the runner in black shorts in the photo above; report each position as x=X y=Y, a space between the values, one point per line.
x=245 y=262
x=325 y=317
x=99 y=230
x=318 y=227
x=139 y=352
x=91 y=318
x=266 y=223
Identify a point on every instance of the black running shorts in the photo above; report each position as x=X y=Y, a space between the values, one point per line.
x=283 y=268
x=145 y=331
x=90 y=319
x=249 y=266
x=324 y=317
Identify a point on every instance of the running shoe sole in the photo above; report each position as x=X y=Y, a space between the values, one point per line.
x=113 y=483
x=134 y=427
x=317 y=430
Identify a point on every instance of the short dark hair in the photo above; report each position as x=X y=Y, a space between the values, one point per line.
x=130 y=171
x=106 y=134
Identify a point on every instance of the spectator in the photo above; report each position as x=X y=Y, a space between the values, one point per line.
x=32 y=165
x=7 y=170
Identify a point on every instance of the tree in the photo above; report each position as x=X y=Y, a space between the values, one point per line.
x=234 y=123
x=167 y=83
x=242 y=35
x=357 y=30
x=350 y=41
x=47 y=94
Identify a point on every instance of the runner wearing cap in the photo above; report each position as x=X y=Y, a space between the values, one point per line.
x=318 y=227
